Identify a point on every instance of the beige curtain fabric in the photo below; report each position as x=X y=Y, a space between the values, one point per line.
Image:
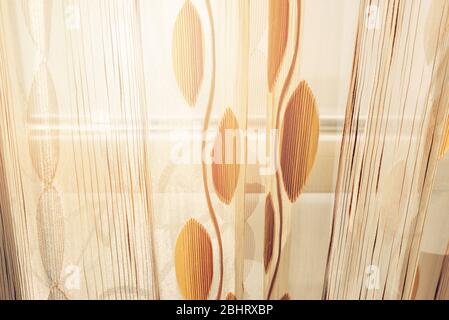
x=238 y=149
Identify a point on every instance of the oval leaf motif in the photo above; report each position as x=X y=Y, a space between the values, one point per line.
x=194 y=261
x=299 y=140
x=187 y=52
x=225 y=164
x=278 y=16
x=269 y=231
x=50 y=228
x=42 y=116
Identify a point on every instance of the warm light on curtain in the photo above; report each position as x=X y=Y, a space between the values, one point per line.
x=238 y=149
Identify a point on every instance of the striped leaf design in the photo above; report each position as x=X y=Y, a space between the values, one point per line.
x=50 y=226
x=187 y=52
x=269 y=231
x=193 y=261
x=299 y=140
x=43 y=111
x=278 y=17
x=225 y=167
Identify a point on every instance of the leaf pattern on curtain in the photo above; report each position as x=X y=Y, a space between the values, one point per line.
x=50 y=223
x=278 y=106
x=43 y=111
x=91 y=91
x=225 y=164
x=188 y=52
x=193 y=261
x=299 y=140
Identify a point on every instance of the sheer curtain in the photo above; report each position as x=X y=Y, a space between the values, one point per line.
x=238 y=149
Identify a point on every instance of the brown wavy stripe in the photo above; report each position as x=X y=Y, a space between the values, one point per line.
x=44 y=144
x=50 y=228
x=278 y=16
x=194 y=261
x=299 y=140
x=445 y=145
x=37 y=15
x=231 y=296
x=269 y=231
x=203 y=146
x=187 y=52
x=225 y=172
x=286 y=296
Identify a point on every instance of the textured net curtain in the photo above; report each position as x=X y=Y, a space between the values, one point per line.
x=117 y=179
